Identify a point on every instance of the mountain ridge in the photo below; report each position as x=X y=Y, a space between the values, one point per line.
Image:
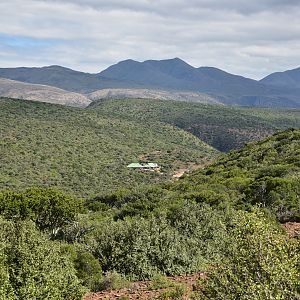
x=288 y=79
x=169 y=75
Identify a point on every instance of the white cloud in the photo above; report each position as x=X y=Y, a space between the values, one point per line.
x=253 y=38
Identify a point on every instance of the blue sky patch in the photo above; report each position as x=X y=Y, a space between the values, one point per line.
x=23 y=42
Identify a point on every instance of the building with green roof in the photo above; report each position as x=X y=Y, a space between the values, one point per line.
x=145 y=166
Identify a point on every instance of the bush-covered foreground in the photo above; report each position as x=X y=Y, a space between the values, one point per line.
x=223 y=220
x=261 y=262
x=32 y=267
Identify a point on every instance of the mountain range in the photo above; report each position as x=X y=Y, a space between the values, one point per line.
x=166 y=79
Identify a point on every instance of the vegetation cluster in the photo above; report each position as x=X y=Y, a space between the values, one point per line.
x=223 y=220
x=85 y=152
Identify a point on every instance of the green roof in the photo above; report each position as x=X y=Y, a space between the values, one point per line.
x=147 y=165
x=152 y=165
x=135 y=165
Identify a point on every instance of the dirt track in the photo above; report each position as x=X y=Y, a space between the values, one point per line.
x=140 y=289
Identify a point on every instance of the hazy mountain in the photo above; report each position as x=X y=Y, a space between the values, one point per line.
x=168 y=75
x=177 y=75
x=43 y=93
x=288 y=79
x=60 y=77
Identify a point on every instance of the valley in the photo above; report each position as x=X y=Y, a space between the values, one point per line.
x=224 y=128
x=88 y=150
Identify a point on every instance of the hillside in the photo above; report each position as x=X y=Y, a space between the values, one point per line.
x=224 y=128
x=152 y=94
x=264 y=173
x=85 y=152
x=43 y=93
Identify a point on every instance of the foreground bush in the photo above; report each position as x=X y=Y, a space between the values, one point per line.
x=181 y=240
x=262 y=263
x=31 y=267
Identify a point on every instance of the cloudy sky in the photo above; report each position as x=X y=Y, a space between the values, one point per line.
x=248 y=37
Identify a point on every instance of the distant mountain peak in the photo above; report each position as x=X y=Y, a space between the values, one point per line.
x=288 y=79
x=54 y=66
x=174 y=60
x=57 y=67
x=127 y=61
x=170 y=61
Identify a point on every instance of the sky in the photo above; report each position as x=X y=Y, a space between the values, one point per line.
x=252 y=38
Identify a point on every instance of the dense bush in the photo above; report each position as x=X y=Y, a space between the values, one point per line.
x=225 y=128
x=261 y=262
x=194 y=224
x=282 y=195
x=265 y=173
x=32 y=267
x=86 y=152
x=181 y=239
x=48 y=208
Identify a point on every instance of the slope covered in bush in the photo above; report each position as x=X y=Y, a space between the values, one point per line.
x=220 y=220
x=84 y=152
x=32 y=267
x=223 y=127
x=265 y=173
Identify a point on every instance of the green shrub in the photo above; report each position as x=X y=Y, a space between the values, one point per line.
x=50 y=209
x=34 y=267
x=181 y=238
x=89 y=270
x=113 y=281
x=160 y=281
x=262 y=263
x=176 y=293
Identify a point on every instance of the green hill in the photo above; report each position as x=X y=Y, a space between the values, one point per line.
x=207 y=221
x=84 y=151
x=265 y=173
x=224 y=128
